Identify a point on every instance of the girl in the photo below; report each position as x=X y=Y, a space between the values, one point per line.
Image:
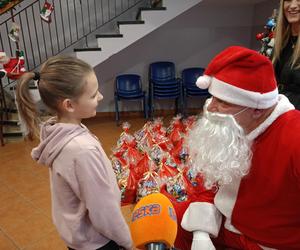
x=287 y=50
x=85 y=196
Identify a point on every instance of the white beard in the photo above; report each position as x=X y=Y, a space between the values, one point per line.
x=219 y=149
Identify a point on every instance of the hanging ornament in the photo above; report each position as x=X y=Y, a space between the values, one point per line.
x=267 y=37
x=3 y=60
x=14 y=33
x=6 y=5
x=3 y=3
x=46 y=12
x=15 y=66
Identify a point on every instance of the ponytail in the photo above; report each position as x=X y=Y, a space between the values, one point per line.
x=60 y=77
x=26 y=106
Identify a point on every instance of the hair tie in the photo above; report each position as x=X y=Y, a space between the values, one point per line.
x=37 y=76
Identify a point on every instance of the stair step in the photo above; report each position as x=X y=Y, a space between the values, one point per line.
x=109 y=35
x=129 y=22
x=11 y=116
x=11 y=129
x=148 y=9
x=138 y=15
x=10 y=122
x=12 y=134
x=10 y=110
x=87 y=49
x=30 y=87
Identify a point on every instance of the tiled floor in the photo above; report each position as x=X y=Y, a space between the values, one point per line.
x=25 y=210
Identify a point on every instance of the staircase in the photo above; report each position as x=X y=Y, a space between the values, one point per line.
x=106 y=44
x=73 y=24
x=131 y=31
x=9 y=123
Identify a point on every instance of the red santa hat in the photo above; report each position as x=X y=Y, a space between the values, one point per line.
x=241 y=76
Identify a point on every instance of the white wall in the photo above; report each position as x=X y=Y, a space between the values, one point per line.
x=191 y=39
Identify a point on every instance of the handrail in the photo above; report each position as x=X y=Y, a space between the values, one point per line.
x=73 y=22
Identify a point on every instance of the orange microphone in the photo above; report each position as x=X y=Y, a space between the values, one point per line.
x=153 y=223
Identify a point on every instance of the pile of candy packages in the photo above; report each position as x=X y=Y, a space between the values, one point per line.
x=156 y=159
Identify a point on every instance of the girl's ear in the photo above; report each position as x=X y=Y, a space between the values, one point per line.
x=67 y=105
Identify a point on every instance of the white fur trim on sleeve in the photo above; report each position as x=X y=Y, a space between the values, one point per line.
x=202 y=216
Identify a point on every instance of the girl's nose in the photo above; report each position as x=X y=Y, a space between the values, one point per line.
x=100 y=96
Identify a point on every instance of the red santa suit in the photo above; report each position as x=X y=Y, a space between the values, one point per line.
x=261 y=210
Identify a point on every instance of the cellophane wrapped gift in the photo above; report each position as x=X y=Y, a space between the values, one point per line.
x=155 y=159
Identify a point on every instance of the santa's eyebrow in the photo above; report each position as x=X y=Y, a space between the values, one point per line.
x=222 y=101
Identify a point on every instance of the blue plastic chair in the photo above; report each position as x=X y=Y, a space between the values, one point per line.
x=189 y=77
x=163 y=84
x=129 y=87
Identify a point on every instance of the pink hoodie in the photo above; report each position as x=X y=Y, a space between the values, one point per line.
x=85 y=195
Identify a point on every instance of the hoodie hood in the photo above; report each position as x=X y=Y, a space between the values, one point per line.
x=53 y=137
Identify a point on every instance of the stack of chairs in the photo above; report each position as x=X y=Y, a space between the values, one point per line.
x=163 y=84
x=128 y=87
x=189 y=77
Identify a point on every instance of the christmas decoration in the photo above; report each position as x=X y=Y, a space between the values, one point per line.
x=3 y=60
x=6 y=5
x=3 y=3
x=46 y=12
x=154 y=159
x=148 y=184
x=15 y=66
x=164 y=167
x=14 y=33
x=267 y=37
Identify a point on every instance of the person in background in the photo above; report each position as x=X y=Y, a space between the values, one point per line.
x=286 y=53
x=247 y=146
x=85 y=196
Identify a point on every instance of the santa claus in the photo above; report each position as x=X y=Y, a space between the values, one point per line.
x=247 y=146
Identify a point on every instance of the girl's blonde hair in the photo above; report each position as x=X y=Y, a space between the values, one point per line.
x=60 y=77
x=282 y=35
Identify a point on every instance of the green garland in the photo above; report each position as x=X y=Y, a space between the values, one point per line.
x=3 y=3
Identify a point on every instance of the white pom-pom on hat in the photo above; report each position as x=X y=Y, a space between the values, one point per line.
x=204 y=81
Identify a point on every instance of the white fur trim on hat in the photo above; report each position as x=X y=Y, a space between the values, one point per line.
x=204 y=81
x=242 y=97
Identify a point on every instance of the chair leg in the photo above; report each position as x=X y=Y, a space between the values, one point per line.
x=150 y=107
x=145 y=107
x=117 y=111
x=184 y=105
x=177 y=105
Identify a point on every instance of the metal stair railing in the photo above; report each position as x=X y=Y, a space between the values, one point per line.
x=72 y=22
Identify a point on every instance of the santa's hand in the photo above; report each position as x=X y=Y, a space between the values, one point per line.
x=201 y=241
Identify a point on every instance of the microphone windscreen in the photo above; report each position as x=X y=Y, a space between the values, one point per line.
x=153 y=221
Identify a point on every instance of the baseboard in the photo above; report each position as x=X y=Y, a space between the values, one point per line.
x=122 y=114
x=133 y=114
